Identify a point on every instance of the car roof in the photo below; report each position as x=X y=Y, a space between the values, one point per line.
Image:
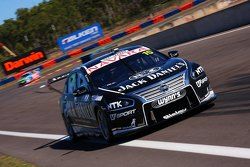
x=29 y=72
x=103 y=56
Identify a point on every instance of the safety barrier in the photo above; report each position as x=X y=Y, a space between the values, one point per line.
x=217 y=22
x=108 y=40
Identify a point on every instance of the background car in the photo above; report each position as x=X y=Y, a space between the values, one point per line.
x=29 y=77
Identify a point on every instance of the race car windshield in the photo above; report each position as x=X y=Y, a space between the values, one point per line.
x=121 y=70
x=25 y=75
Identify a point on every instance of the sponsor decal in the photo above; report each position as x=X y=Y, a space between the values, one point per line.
x=175 y=113
x=148 y=52
x=199 y=70
x=112 y=117
x=58 y=78
x=154 y=76
x=28 y=59
x=80 y=37
x=133 y=123
x=200 y=82
x=80 y=34
x=176 y=67
x=144 y=73
x=114 y=58
x=134 y=84
x=120 y=115
x=115 y=105
x=168 y=99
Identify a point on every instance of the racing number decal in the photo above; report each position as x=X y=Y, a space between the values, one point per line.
x=148 y=52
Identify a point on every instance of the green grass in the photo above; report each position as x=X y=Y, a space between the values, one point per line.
x=7 y=161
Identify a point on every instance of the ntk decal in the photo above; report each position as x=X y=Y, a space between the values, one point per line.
x=114 y=105
x=199 y=70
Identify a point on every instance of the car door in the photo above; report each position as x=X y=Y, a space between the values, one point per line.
x=68 y=98
x=84 y=104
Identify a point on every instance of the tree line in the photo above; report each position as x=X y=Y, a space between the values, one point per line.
x=41 y=25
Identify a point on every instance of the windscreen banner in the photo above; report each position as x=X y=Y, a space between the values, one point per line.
x=18 y=63
x=80 y=37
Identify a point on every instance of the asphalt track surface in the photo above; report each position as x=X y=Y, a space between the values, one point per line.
x=226 y=60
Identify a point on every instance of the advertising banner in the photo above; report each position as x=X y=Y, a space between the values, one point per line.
x=80 y=37
x=30 y=58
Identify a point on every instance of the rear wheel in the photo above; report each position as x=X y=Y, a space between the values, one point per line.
x=70 y=130
x=104 y=125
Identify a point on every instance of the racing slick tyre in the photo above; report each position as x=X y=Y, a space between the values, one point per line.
x=72 y=135
x=20 y=85
x=104 y=126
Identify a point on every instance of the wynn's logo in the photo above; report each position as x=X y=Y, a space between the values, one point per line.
x=168 y=99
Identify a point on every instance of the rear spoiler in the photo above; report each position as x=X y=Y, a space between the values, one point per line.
x=56 y=79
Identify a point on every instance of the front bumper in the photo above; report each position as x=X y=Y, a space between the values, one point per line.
x=209 y=98
x=153 y=116
x=172 y=109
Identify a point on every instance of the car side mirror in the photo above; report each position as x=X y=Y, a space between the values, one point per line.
x=173 y=53
x=80 y=91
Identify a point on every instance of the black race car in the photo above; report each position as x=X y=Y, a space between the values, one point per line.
x=128 y=89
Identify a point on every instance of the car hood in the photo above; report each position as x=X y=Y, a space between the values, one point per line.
x=144 y=78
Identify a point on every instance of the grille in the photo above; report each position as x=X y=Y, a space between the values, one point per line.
x=154 y=92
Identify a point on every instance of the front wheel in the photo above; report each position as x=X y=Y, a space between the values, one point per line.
x=72 y=135
x=104 y=125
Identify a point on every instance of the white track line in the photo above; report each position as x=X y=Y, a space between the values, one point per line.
x=236 y=152
x=69 y=65
x=49 y=74
x=42 y=86
x=32 y=135
x=206 y=38
x=58 y=70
